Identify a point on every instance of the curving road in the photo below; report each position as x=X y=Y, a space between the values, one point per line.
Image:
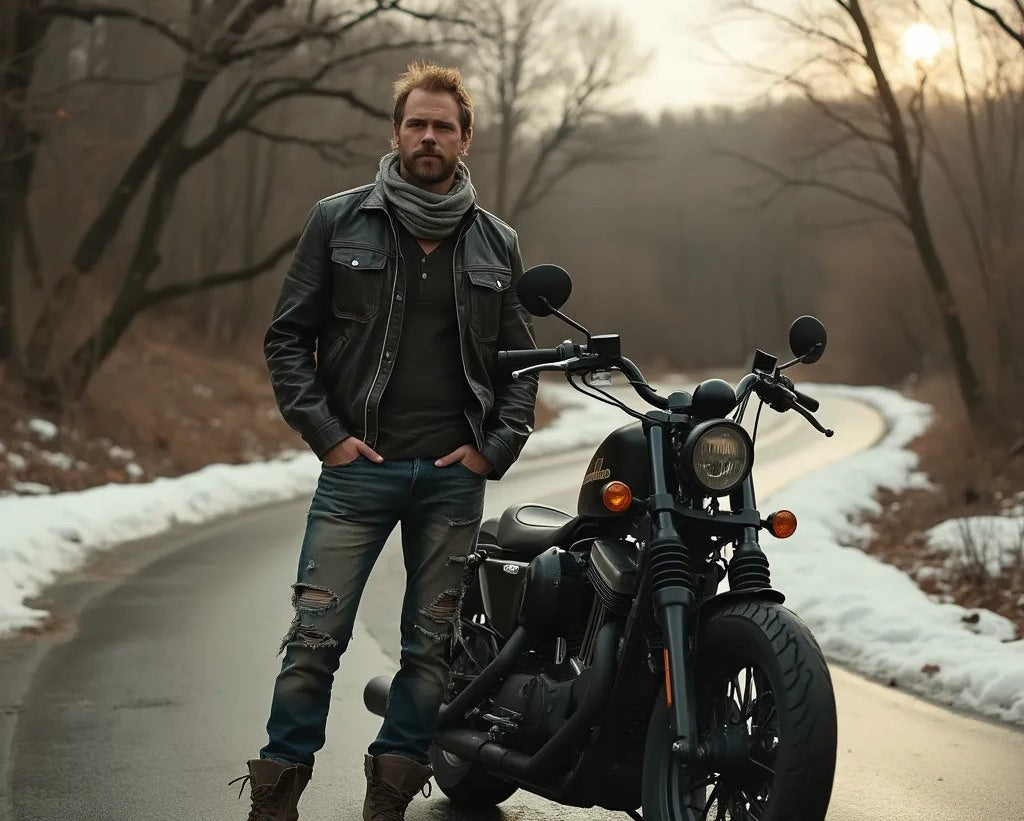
x=152 y=690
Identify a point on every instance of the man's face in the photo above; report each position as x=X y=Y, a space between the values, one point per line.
x=430 y=139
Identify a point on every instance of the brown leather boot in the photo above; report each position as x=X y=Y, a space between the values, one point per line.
x=391 y=783
x=275 y=789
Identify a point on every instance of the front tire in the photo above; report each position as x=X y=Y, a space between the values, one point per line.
x=766 y=724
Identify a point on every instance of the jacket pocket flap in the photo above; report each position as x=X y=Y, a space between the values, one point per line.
x=359 y=258
x=497 y=279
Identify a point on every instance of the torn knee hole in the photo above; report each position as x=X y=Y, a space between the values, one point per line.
x=312 y=598
x=445 y=607
x=307 y=636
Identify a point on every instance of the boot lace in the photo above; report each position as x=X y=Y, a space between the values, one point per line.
x=266 y=799
x=390 y=803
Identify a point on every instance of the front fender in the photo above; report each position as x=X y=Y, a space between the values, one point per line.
x=710 y=606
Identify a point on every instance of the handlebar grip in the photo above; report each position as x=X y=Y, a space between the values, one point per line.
x=516 y=360
x=808 y=402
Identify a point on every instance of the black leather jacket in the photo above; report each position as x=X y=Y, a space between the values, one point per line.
x=331 y=345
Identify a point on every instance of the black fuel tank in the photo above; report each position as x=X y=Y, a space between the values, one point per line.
x=621 y=456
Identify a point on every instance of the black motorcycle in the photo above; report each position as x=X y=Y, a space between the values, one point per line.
x=596 y=662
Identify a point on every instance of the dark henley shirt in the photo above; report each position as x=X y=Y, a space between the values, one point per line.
x=423 y=411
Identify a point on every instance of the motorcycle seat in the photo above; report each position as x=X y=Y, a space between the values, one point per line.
x=530 y=529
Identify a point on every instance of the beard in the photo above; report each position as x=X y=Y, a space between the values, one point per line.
x=428 y=173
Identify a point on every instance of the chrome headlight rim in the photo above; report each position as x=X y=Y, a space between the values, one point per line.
x=689 y=448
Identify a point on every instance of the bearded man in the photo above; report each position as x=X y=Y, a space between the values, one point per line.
x=381 y=352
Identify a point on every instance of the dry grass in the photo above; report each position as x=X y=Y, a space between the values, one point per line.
x=968 y=480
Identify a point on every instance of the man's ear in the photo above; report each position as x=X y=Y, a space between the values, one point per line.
x=467 y=138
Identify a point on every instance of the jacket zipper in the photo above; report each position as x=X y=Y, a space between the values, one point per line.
x=387 y=327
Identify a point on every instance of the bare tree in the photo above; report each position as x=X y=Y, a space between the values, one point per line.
x=243 y=59
x=550 y=74
x=22 y=31
x=874 y=127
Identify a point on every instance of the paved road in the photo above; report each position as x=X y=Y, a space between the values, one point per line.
x=152 y=688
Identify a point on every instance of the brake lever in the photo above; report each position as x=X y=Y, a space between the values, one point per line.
x=546 y=366
x=806 y=414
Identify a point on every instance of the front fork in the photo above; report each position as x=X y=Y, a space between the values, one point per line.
x=673 y=584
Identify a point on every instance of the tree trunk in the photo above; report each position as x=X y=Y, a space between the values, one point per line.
x=970 y=387
x=22 y=29
x=68 y=382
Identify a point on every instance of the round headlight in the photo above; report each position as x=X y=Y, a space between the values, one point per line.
x=718 y=456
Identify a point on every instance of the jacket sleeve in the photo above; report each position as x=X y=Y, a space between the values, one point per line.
x=510 y=422
x=290 y=342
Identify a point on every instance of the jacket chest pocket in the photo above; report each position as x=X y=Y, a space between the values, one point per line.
x=486 y=288
x=358 y=280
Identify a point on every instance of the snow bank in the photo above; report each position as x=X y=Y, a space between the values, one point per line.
x=864 y=613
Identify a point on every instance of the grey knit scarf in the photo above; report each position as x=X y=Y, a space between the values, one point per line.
x=427 y=215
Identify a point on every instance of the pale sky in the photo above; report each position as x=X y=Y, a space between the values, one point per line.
x=687 y=38
x=685 y=69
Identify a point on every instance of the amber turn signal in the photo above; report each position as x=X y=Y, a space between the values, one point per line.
x=617 y=496
x=782 y=524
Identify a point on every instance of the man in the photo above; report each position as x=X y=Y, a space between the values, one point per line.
x=382 y=356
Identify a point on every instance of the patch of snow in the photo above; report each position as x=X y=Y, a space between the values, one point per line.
x=994 y=543
x=57 y=460
x=134 y=470
x=871 y=615
x=16 y=461
x=32 y=488
x=117 y=452
x=42 y=428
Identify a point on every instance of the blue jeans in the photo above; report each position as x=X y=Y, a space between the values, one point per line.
x=354 y=510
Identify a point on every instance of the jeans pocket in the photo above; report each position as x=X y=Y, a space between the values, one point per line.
x=468 y=470
x=343 y=465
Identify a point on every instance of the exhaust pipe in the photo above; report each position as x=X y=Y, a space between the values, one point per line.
x=375 y=694
x=474 y=745
x=535 y=769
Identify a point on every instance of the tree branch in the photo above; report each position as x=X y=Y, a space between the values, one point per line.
x=1000 y=20
x=157 y=295
x=89 y=12
x=788 y=181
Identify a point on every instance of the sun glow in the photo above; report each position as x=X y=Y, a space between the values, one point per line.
x=921 y=43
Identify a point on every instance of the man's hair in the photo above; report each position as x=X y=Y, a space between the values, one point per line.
x=432 y=77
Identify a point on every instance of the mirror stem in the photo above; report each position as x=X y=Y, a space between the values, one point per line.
x=564 y=318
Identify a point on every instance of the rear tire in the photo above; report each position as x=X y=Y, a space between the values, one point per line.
x=465 y=782
x=767 y=717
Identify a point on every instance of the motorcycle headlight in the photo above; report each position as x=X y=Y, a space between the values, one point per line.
x=717 y=456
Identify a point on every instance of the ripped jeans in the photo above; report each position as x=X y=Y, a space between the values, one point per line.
x=354 y=509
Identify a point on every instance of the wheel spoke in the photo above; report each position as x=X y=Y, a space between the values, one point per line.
x=712 y=799
x=748 y=692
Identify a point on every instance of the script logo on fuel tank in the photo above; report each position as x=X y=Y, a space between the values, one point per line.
x=596 y=473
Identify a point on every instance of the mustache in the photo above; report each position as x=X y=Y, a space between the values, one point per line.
x=427 y=153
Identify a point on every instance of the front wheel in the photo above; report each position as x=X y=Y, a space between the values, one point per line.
x=766 y=719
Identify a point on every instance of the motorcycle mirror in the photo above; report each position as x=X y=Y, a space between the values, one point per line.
x=807 y=339
x=544 y=288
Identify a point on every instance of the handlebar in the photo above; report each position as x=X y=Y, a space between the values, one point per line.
x=515 y=360
x=778 y=391
x=808 y=402
x=569 y=357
